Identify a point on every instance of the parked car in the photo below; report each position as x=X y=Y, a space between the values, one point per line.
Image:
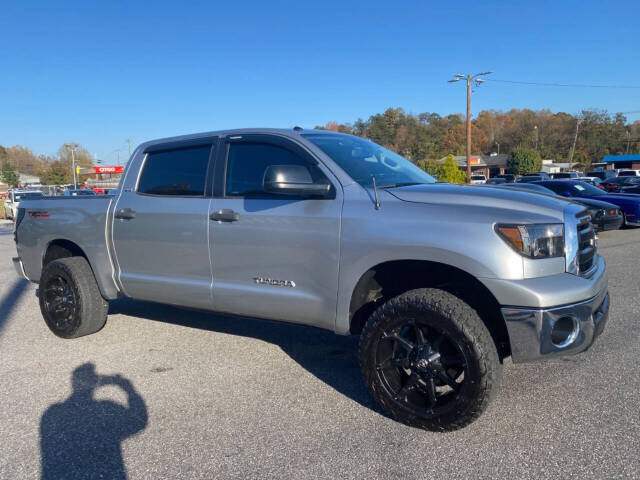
x=478 y=179
x=629 y=173
x=496 y=181
x=628 y=203
x=14 y=197
x=613 y=185
x=604 y=215
x=78 y=193
x=623 y=185
x=509 y=177
x=529 y=179
x=326 y=229
x=602 y=175
x=565 y=175
x=543 y=175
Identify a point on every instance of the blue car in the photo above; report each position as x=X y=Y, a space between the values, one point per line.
x=628 y=203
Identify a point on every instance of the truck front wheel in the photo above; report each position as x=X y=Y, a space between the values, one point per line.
x=70 y=300
x=429 y=360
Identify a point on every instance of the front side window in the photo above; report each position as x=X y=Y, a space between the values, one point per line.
x=180 y=172
x=247 y=163
x=363 y=160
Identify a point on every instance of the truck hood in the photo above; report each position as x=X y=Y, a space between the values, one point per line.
x=480 y=196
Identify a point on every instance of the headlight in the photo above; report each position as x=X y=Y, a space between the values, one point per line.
x=596 y=214
x=534 y=240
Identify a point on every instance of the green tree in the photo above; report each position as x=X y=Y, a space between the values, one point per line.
x=57 y=173
x=448 y=171
x=9 y=175
x=524 y=160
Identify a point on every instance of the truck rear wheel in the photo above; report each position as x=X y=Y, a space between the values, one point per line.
x=429 y=360
x=70 y=300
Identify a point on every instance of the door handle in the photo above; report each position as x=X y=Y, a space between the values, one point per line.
x=225 y=215
x=125 y=214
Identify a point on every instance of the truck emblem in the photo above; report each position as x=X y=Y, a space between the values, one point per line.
x=277 y=283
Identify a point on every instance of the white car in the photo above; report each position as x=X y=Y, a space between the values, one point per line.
x=12 y=201
x=629 y=173
x=478 y=179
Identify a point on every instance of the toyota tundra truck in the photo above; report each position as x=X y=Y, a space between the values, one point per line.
x=442 y=282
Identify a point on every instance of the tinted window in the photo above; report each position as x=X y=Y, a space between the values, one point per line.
x=175 y=172
x=248 y=162
x=556 y=187
x=627 y=173
x=26 y=196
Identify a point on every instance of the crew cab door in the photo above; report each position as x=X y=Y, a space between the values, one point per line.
x=160 y=226
x=274 y=256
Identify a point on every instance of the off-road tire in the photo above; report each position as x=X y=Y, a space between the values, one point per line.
x=446 y=312
x=88 y=313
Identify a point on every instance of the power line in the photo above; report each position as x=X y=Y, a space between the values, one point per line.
x=570 y=85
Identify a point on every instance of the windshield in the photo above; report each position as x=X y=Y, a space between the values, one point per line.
x=363 y=159
x=25 y=196
x=582 y=189
x=477 y=177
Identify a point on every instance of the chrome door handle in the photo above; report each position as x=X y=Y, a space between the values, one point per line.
x=225 y=215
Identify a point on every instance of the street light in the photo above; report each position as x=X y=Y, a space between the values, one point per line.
x=478 y=81
x=535 y=128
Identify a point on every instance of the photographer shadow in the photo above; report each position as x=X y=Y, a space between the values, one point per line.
x=81 y=437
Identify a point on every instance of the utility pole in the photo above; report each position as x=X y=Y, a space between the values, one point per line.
x=470 y=79
x=498 y=143
x=535 y=128
x=128 y=141
x=72 y=147
x=628 y=140
x=575 y=139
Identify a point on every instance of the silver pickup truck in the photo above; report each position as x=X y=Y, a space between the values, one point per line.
x=441 y=282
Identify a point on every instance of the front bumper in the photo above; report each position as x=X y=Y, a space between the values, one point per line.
x=611 y=222
x=17 y=264
x=530 y=330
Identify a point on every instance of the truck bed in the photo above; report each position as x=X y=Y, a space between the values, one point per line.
x=80 y=220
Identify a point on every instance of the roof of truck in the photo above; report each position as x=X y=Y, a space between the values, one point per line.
x=286 y=132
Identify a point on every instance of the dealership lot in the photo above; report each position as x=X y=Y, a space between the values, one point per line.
x=226 y=397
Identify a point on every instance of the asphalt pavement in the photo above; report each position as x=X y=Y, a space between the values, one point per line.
x=163 y=392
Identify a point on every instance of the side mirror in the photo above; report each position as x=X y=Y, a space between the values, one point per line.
x=292 y=180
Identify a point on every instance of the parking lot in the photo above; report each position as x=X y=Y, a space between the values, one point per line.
x=208 y=396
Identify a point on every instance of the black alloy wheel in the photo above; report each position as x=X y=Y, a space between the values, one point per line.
x=421 y=367
x=60 y=303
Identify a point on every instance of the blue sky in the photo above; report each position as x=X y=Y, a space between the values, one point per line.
x=100 y=72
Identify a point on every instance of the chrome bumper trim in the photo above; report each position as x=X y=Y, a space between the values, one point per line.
x=530 y=329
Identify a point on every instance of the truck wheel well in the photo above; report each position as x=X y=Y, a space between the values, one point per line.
x=61 y=249
x=389 y=279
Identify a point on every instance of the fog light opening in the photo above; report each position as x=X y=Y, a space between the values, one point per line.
x=564 y=331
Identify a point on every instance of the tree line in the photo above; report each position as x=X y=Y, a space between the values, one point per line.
x=425 y=137
x=52 y=169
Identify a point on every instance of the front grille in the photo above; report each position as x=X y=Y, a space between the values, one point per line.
x=586 y=245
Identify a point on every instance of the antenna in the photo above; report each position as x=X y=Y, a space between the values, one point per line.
x=375 y=192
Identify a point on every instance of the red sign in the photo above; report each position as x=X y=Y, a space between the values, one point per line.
x=113 y=169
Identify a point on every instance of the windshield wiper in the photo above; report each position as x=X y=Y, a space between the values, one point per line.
x=401 y=184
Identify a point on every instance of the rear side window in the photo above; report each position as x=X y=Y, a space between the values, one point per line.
x=180 y=172
x=247 y=163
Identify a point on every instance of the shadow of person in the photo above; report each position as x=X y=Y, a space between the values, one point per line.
x=329 y=357
x=81 y=437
